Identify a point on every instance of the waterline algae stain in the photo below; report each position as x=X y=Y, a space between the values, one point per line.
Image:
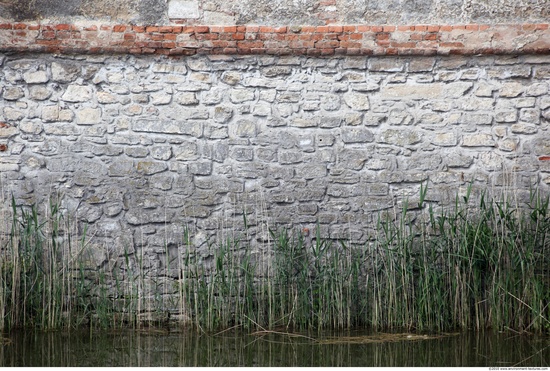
x=481 y=264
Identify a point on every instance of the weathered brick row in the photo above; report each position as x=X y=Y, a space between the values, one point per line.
x=299 y=40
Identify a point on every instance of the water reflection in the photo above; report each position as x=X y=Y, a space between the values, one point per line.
x=163 y=348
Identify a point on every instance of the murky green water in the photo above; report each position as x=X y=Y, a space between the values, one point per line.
x=163 y=348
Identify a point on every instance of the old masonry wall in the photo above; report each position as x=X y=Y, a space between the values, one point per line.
x=144 y=128
x=140 y=147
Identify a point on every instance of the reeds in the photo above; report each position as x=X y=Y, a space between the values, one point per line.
x=471 y=266
x=476 y=265
x=37 y=287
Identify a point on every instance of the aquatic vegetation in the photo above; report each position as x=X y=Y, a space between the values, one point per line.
x=473 y=266
x=476 y=265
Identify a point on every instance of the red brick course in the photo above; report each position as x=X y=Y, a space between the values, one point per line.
x=419 y=40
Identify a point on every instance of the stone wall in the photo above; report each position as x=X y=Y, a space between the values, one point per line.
x=281 y=12
x=148 y=118
x=140 y=147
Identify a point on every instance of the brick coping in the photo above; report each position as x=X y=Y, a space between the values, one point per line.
x=381 y=40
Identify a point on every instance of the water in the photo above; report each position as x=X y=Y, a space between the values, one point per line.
x=151 y=348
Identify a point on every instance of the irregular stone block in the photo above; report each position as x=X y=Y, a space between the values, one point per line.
x=13 y=93
x=352 y=158
x=307 y=209
x=478 y=140
x=420 y=64
x=357 y=101
x=425 y=91
x=36 y=77
x=445 y=139
x=88 y=116
x=55 y=113
x=530 y=115
x=400 y=137
x=508 y=145
x=162 y=181
x=264 y=110
x=511 y=90
x=400 y=117
x=61 y=129
x=386 y=65
x=424 y=161
x=62 y=164
x=290 y=157
x=537 y=90
x=245 y=128
x=12 y=114
x=200 y=168
x=354 y=63
x=285 y=97
x=242 y=154
x=304 y=122
x=160 y=98
x=524 y=128
x=5 y=167
x=356 y=135
x=276 y=71
x=267 y=154
x=199 y=64
x=231 y=77
x=77 y=93
x=64 y=72
x=186 y=151
x=168 y=127
x=542 y=72
x=120 y=168
x=213 y=96
x=151 y=167
x=324 y=140
x=187 y=99
x=163 y=153
x=476 y=118
x=506 y=116
x=136 y=152
x=169 y=68
x=223 y=114
x=29 y=127
x=312 y=171
x=311 y=193
x=39 y=92
x=7 y=131
x=241 y=95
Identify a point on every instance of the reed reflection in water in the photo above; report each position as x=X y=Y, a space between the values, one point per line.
x=170 y=349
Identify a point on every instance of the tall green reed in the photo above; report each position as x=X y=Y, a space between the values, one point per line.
x=480 y=263
x=37 y=269
x=475 y=265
